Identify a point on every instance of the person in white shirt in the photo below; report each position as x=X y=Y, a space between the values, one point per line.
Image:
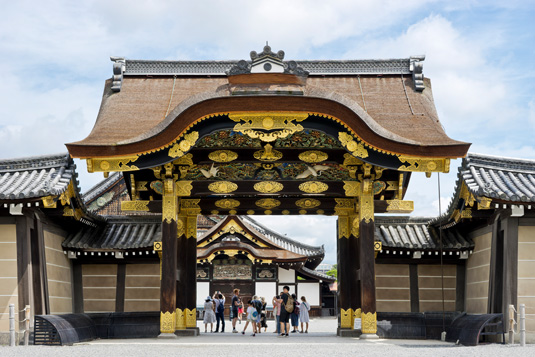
x=252 y=317
x=303 y=313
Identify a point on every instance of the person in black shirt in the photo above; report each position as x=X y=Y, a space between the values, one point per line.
x=235 y=303
x=285 y=315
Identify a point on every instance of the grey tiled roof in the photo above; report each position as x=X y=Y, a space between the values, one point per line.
x=34 y=177
x=149 y=67
x=282 y=241
x=316 y=274
x=102 y=186
x=118 y=233
x=499 y=177
x=413 y=233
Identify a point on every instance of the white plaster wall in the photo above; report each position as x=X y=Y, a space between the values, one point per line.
x=203 y=290
x=311 y=291
x=286 y=276
x=267 y=290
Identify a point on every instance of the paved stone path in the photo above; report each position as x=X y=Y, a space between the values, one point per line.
x=321 y=341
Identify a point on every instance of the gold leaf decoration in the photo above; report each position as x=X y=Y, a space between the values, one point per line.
x=424 y=164
x=307 y=203
x=352 y=188
x=191 y=318
x=302 y=211
x=135 y=205
x=222 y=187
x=112 y=164
x=268 y=186
x=313 y=156
x=399 y=206
x=227 y=203
x=268 y=126
x=223 y=156
x=285 y=212
x=183 y=188
x=346 y=318
x=180 y=320
x=182 y=147
x=268 y=154
x=369 y=322
x=313 y=187
x=250 y=212
x=167 y=322
x=356 y=148
x=268 y=203
x=267 y=212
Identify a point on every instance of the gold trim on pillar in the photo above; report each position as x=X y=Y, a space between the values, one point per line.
x=369 y=322
x=377 y=247
x=357 y=314
x=169 y=201
x=180 y=320
x=191 y=318
x=167 y=322
x=366 y=201
x=158 y=248
x=346 y=318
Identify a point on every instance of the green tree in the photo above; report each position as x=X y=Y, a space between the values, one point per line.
x=333 y=272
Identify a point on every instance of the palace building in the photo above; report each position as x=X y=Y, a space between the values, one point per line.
x=192 y=150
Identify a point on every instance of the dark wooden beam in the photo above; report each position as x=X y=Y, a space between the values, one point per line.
x=78 y=288
x=460 y=287
x=120 y=288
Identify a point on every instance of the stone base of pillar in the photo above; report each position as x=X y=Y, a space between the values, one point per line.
x=369 y=336
x=346 y=332
x=164 y=335
x=187 y=332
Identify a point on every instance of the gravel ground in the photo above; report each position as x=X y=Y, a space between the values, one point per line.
x=321 y=341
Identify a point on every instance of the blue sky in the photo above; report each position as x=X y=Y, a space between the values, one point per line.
x=54 y=58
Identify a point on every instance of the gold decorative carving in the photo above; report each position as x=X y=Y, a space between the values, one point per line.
x=369 y=322
x=268 y=212
x=466 y=213
x=190 y=206
x=313 y=187
x=366 y=208
x=268 y=126
x=377 y=247
x=344 y=206
x=356 y=148
x=352 y=188
x=180 y=226
x=142 y=206
x=285 y=212
x=233 y=212
x=343 y=227
x=66 y=196
x=214 y=211
x=223 y=156
x=313 y=156
x=320 y=211
x=418 y=164
x=346 y=318
x=268 y=186
x=484 y=203
x=222 y=187
x=167 y=322
x=268 y=203
x=157 y=246
x=378 y=187
x=169 y=201
x=399 y=206
x=48 y=202
x=191 y=317
x=467 y=196
x=180 y=319
x=307 y=203
x=227 y=203
x=268 y=154
x=183 y=188
x=357 y=313
x=112 y=164
x=181 y=148
x=250 y=212
x=302 y=211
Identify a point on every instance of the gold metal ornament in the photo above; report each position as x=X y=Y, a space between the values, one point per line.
x=167 y=322
x=356 y=149
x=346 y=318
x=182 y=147
x=48 y=202
x=268 y=203
x=112 y=164
x=484 y=203
x=142 y=206
x=357 y=314
x=214 y=212
x=268 y=187
x=223 y=156
x=302 y=211
x=320 y=211
x=183 y=188
x=369 y=322
x=313 y=156
x=227 y=203
x=191 y=317
x=233 y=212
x=352 y=188
x=250 y=212
x=222 y=187
x=267 y=154
x=417 y=164
x=285 y=212
x=307 y=203
x=313 y=187
x=268 y=212
x=268 y=126
x=180 y=320
x=399 y=206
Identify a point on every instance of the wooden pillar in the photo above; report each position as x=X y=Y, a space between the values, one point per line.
x=367 y=260
x=169 y=259
x=186 y=289
x=348 y=265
